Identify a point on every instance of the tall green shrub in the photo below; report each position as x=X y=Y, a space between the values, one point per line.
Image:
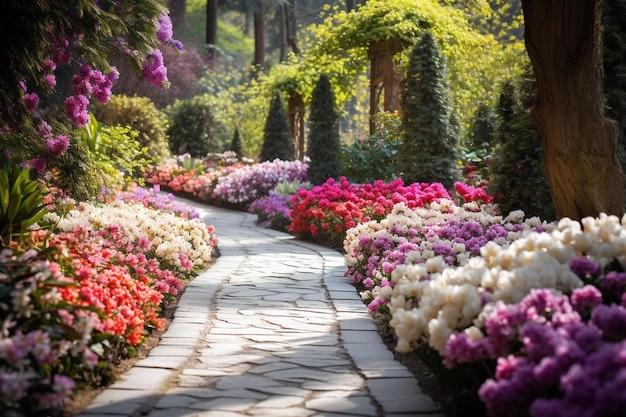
x=324 y=144
x=193 y=128
x=482 y=127
x=236 y=145
x=277 y=141
x=140 y=114
x=428 y=151
x=516 y=178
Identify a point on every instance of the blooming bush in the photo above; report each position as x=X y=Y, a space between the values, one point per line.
x=45 y=342
x=274 y=210
x=556 y=355
x=455 y=234
x=111 y=266
x=245 y=185
x=327 y=211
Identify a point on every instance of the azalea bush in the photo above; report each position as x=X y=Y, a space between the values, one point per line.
x=90 y=291
x=543 y=311
x=222 y=179
x=274 y=210
x=46 y=342
x=453 y=234
x=243 y=186
x=324 y=213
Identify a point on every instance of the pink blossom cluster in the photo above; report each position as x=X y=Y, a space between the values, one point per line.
x=86 y=83
x=39 y=354
x=327 y=211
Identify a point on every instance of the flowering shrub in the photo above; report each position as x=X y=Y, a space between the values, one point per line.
x=455 y=234
x=112 y=266
x=556 y=355
x=274 y=210
x=245 y=185
x=45 y=341
x=326 y=211
x=181 y=245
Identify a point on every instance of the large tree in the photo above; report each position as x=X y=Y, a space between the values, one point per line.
x=564 y=41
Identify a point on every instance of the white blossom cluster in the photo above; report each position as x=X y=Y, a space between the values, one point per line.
x=430 y=301
x=169 y=235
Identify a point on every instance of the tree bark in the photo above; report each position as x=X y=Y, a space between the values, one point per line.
x=259 y=36
x=211 y=31
x=177 y=11
x=564 y=41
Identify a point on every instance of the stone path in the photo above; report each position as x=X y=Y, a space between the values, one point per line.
x=272 y=329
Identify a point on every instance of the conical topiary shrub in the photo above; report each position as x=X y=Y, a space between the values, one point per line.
x=516 y=177
x=428 y=151
x=277 y=141
x=236 y=145
x=324 y=145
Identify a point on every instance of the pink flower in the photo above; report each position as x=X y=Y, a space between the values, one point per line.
x=39 y=164
x=58 y=145
x=153 y=70
x=76 y=109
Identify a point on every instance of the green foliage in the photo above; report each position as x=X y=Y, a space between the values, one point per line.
x=376 y=156
x=21 y=202
x=139 y=114
x=323 y=143
x=516 y=178
x=481 y=128
x=120 y=155
x=289 y=188
x=235 y=144
x=339 y=47
x=428 y=150
x=192 y=127
x=277 y=142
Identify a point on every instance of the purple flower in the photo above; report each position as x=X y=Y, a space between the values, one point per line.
x=165 y=30
x=153 y=70
x=614 y=282
x=586 y=298
x=31 y=100
x=584 y=267
x=39 y=164
x=611 y=320
x=56 y=146
x=76 y=109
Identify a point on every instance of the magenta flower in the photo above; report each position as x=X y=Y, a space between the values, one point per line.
x=153 y=70
x=76 y=109
x=57 y=146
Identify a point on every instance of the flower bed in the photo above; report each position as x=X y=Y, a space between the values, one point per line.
x=95 y=288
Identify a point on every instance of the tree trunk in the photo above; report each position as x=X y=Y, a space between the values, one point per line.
x=292 y=26
x=177 y=11
x=211 y=31
x=259 y=36
x=564 y=42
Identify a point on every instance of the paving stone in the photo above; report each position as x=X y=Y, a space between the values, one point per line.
x=281 y=412
x=224 y=404
x=282 y=401
x=174 y=401
x=142 y=379
x=355 y=406
x=397 y=395
x=165 y=362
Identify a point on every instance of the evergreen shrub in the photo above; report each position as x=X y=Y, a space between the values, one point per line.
x=277 y=142
x=193 y=128
x=140 y=114
x=324 y=144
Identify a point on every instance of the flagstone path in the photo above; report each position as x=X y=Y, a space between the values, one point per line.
x=272 y=329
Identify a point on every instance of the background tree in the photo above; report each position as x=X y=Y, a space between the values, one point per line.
x=236 y=145
x=277 y=141
x=324 y=143
x=516 y=178
x=563 y=40
x=482 y=128
x=428 y=150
